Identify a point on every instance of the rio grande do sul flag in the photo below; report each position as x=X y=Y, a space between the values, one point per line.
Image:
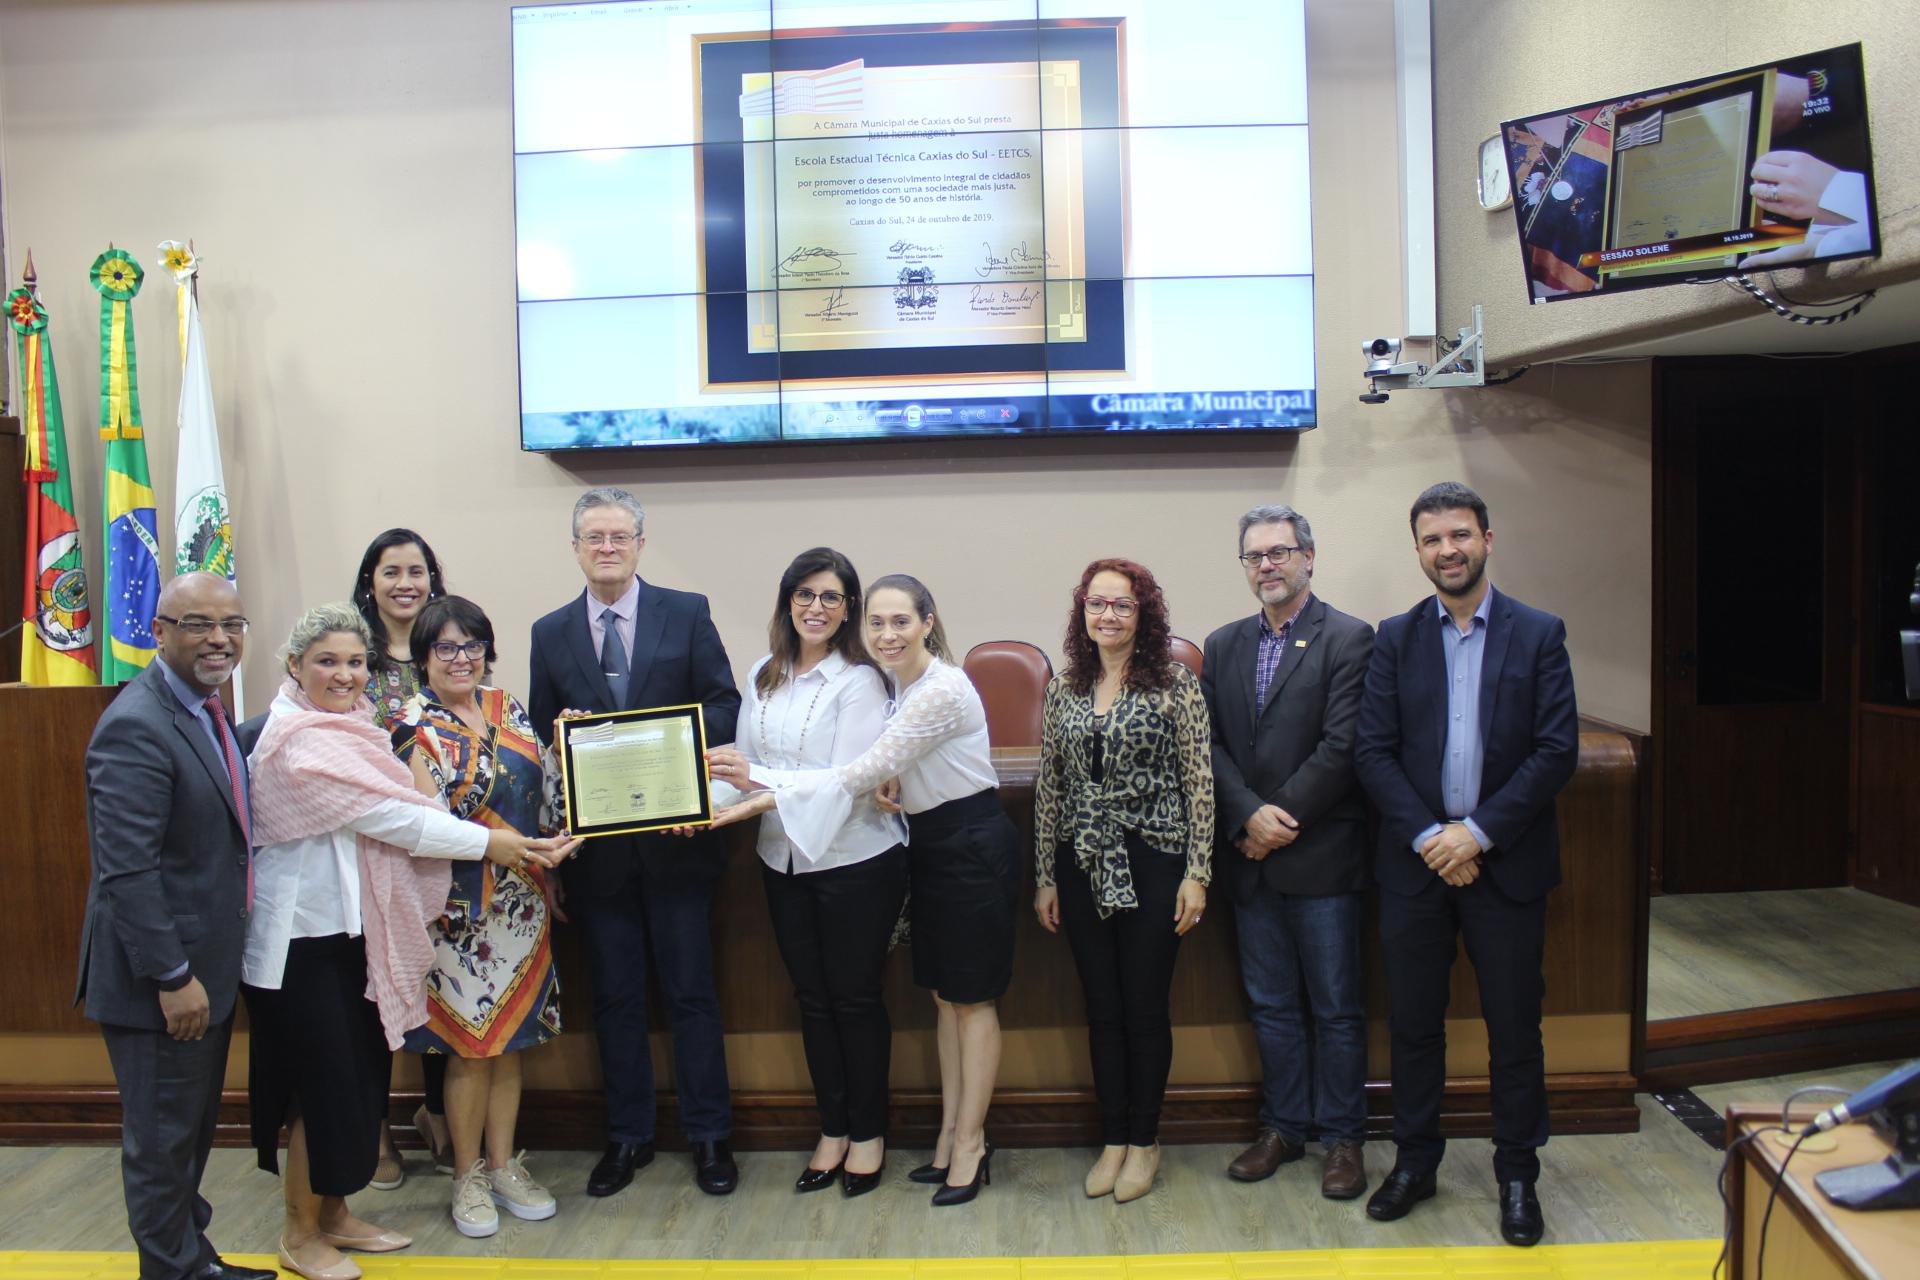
x=56 y=644
x=132 y=551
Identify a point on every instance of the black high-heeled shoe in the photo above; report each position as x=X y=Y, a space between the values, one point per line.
x=858 y=1184
x=818 y=1179
x=982 y=1177
x=928 y=1172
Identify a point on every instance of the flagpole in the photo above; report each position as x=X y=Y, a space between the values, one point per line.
x=203 y=534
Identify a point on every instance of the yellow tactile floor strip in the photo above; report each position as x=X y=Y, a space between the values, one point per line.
x=1657 y=1260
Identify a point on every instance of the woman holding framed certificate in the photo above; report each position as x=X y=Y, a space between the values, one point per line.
x=352 y=863
x=963 y=856
x=492 y=990
x=817 y=700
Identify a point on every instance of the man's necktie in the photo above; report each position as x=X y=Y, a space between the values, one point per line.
x=613 y=658
x=219 y=714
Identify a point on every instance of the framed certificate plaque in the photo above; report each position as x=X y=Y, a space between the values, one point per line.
x=631 y=771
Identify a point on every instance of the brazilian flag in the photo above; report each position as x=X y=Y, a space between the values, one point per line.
x=132 y=545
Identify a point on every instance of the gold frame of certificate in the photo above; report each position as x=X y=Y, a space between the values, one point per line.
x=1669 y=208
x=631 y=771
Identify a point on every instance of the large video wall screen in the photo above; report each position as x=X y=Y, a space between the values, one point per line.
x=746 y=222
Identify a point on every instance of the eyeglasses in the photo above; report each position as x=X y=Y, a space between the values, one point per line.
x=615 y=541
x=1121 y=606
x=201 y=628
x=1279 y=556
x=448 y=650
x=827 y=599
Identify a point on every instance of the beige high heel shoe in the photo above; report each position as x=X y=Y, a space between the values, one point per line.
x=1137 y=1174
x=1105 y=1171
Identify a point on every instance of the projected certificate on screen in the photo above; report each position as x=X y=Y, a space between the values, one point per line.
x=742 y=221
x=917 y=189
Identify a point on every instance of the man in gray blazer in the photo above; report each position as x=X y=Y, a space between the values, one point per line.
x=166 y=917
x=1284 y=691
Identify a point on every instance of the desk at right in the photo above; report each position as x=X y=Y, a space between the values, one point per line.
x=1810 y=1237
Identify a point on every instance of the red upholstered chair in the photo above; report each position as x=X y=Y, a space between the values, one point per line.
x=1185 y=652
x=1011 y=676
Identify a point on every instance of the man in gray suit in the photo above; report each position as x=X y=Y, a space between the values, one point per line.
x=166 y=917
x=1284 y=691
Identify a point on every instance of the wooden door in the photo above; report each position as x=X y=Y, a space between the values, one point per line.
x=1752 y=598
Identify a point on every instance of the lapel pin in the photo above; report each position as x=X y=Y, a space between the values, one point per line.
x=1299 y=644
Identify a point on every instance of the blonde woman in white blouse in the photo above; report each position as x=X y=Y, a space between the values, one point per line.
x=816 y=701
x=963 y=856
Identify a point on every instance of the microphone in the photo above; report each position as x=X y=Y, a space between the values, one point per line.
x=1888 y=1088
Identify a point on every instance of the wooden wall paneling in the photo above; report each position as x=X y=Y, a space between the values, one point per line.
x=1889 y=857
x=1590 y=964
x=13 y=539
x=43 y=791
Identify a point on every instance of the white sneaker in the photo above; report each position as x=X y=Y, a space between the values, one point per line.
x=473 y=1211
x=516 y=1191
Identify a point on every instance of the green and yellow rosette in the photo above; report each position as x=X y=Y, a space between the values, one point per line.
x=29 y=319
x=118 y=277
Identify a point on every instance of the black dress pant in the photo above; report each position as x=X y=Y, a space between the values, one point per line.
x=1126 y=971
x=169 y=1099
x=833 y=928
x=1419 y=935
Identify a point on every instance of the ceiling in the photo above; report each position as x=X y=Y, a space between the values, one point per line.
x=1890 y=319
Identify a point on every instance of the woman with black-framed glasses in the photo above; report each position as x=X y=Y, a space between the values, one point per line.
x=817 y=700
x=1123 y=844
x=493 y=989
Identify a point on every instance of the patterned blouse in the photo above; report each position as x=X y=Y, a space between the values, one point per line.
x=390 y=688
x=1156 y=781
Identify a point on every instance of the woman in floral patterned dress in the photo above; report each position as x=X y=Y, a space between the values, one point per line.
x=493 y=990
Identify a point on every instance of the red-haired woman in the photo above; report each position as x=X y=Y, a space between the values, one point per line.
x=1123 y=836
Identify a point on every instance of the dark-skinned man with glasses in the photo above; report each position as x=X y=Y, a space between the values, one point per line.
x=1284 y=687
x=642 y=900
x=169 y=826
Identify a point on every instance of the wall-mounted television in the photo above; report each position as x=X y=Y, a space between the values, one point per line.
x=753 y=221
x=1751 y=170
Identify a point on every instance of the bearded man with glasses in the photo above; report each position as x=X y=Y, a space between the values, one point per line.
x=169 y=821
x=1284 y=687
x=625 y=643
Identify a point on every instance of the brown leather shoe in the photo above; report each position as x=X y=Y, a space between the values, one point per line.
x=1268 y=1152
x=1344 y=1175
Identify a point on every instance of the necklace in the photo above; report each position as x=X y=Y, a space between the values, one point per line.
x=799 y=751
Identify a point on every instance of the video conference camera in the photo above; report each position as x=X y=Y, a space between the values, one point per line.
x=1461 y=364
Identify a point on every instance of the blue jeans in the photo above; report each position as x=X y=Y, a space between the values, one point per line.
x=1315 y=1079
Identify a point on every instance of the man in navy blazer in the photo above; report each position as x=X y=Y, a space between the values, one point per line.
x=1283 y=689
x=168 y=822
x=625 y=643
x=1467 y=733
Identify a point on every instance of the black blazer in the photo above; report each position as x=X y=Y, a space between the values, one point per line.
x=1529 y=733
x=677 y=658
x=169 y=860
x=1295 y=752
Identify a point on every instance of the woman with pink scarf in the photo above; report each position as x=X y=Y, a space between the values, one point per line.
x=351 y=868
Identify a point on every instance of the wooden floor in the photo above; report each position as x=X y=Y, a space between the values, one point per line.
x=1714 y=952
x=1657 y=1184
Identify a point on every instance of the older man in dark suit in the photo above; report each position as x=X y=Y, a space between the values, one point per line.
x=625 y=643
x=1284 y=687
x=1468 y=731
x=167 y=915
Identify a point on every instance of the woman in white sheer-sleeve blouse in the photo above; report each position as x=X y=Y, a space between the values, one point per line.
x=962 y=855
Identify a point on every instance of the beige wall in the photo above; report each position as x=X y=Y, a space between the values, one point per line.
x=1498 y=60
x=344 y=169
